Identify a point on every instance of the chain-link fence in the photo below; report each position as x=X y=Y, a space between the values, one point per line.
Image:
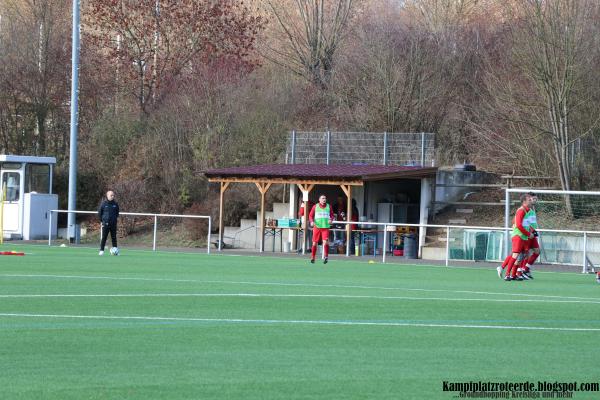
x=361 y=148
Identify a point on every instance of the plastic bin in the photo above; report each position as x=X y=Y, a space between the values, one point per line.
x=411 y=249
x=288 y=223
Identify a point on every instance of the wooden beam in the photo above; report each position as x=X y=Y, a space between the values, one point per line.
x=305 y=189
x=263 y=188
x=262 y=222
x=345 y=189
x=348 y=192
x=224 y=186
x=336 y=182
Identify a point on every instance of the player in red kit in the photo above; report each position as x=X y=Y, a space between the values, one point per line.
x=320 y=218
x=520 y=236
x=533 y=244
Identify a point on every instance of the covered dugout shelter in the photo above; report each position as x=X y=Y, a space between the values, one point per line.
x=369 y=183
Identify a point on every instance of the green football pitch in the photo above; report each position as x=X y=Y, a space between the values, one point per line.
x=162 y=325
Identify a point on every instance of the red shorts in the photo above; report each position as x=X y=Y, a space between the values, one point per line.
x=533 y=244
x=519 y=245
x=320 y=233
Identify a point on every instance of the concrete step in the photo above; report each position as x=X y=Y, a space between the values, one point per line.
x=247 y=223
x=464 y=211
x=434 y=253
x=457 y=221
x=244 y=239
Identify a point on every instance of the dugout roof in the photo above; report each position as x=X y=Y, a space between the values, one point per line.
x=318 y=173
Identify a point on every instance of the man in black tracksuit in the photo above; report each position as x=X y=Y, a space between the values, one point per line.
x=108 y=213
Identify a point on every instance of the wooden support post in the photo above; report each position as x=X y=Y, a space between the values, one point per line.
x=224 y=186
x=305 y=189
x=348 y=191
x=263 y=188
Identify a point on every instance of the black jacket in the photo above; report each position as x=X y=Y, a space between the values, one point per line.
x=108 y=212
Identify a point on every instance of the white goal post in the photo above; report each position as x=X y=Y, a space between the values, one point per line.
x=574 y=218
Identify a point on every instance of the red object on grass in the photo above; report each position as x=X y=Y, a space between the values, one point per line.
x=11 y=253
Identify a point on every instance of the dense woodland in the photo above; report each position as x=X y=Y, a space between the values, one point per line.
x=170 y=88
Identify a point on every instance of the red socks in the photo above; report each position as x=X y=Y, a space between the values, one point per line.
x=511 y=268
x=325 y=249
x=528 y=261
x=524 y=262
x=506 y=260
x=532 y=259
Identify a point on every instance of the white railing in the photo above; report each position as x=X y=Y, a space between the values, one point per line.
x=134 y=214
x=387 y=228
x=387 y=225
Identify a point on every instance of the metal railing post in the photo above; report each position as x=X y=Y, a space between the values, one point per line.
x=385 y=148
x=154 y=236
x=422 y=149
x=385 y=234
x=293 y=147
x=447 y=245
x=584 y=270
x=208 y=239
x=506 y=218
x=50 y=229
x=328 y=146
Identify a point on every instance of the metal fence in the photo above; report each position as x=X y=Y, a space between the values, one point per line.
x=558 y=246
x=133 y=214
x=416 y=149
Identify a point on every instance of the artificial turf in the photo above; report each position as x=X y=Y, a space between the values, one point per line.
x=162 y=325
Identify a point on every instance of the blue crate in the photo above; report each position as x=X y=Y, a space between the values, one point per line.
x=288 y=223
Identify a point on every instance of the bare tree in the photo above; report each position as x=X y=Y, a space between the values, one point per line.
x=310 y=33
x=33 y=65
x=552 y=53
x=536 y=99
x=153 y=42
x=444 y=17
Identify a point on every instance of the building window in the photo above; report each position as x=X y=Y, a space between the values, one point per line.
x=37 y=178
x=11 y=181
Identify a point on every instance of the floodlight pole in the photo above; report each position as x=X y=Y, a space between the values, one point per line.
x=74 y=119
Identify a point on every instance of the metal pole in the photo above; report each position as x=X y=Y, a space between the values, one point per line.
x=154 y=236
x=50 y=179
x=74 y=118
x=584 y=270
x=422 y=149
x=447 y=245
x=385 y=234
x=506 y=218
x=209 y=231
x=328 y=146
x=50 y=229
x=385 y=146
x=294 y=146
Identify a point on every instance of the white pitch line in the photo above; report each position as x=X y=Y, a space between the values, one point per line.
x=294 y=285
x=274 y=295
x=301 y=322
